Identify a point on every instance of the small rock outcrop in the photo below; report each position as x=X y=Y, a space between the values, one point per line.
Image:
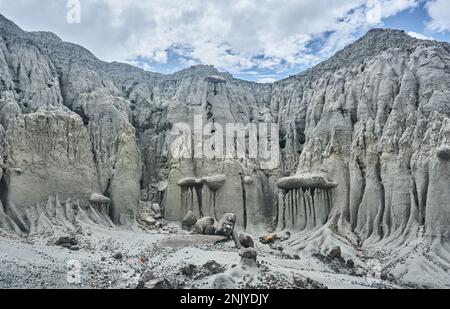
x=205 y=226
x=444 y=152
x=100 y=203
x=225 y=226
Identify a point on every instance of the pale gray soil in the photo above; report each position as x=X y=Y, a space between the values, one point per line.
x=36 y=262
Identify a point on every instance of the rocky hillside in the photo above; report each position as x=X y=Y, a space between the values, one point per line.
x=364 y=138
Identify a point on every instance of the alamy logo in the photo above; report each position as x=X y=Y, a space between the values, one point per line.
x=73 y=11
x=255 y=141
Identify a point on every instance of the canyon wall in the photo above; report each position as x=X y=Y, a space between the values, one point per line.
x=364 y=140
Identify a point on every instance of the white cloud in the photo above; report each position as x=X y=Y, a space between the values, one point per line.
x=231 y=35
x=419 y=36
x=266 y=80
x=378 y=10
x=439 y=11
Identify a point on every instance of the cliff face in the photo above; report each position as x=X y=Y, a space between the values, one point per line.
x=364 y=140
x=378 y=126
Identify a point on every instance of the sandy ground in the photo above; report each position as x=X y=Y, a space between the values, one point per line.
x=108 y=258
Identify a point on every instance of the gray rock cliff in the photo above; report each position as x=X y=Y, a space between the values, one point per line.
x=364 y=142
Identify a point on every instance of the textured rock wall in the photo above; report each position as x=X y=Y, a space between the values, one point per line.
x=65 y=128
x=363 y=136
x=375 y=128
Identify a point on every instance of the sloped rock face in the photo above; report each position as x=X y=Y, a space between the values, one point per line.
x=65 y=128
x=51 y=155
x=378 y=127
x=364 y=141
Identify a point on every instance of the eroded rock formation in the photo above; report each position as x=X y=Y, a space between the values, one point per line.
x=364 y=141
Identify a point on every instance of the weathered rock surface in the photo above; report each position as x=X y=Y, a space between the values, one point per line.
x=189 y=220
x=205 y=225
x=364 y=155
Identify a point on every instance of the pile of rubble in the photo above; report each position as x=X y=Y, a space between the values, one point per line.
x=151 y=218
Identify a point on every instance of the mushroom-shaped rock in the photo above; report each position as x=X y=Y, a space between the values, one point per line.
x=306 y=181
x=100 y=203
x=189 y=182
x=443 y=152
x=215 y=182
x=97 y=198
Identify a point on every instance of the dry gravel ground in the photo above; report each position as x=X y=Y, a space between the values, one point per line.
x=106 y=258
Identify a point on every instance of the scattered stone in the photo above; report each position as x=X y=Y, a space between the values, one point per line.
x=156 y=208
x=268 y=239
x=147 y=276
x=213 y=267
x=223 y=282
x=246 y=241
x=443 y=152
x=301 y=282
x=284 y=236
x=385 y=276
x=66 y=242
x=150 y=220
x=118 y=256
x=144 y=279
x=350 y=263
x=248 y=253
x=173 y=230
x=335 y=253
x=277 y=247
x=188 y=270
x=157 y=284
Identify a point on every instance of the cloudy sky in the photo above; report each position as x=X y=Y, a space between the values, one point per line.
x=261 y=40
